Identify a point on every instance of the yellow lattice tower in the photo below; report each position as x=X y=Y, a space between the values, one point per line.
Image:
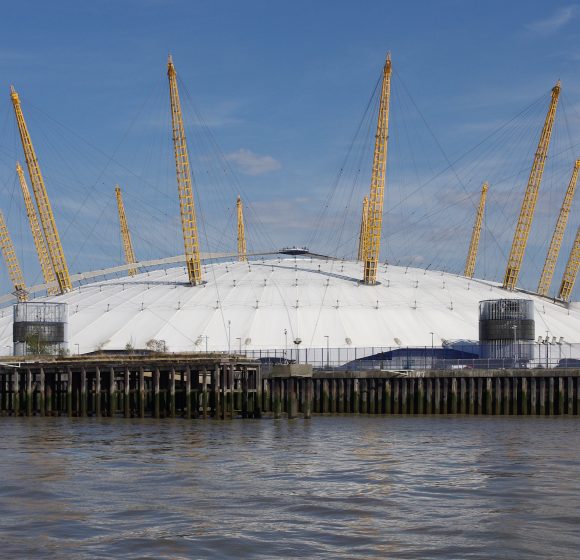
x=125 y=233
x=363 y=233
x=14 y=270
x=558 y=235
x=569 y=278
x=185 y=191
x=38 y=237
x=42 y=201
x=476 y=234
x=377 y=192
x=242 y=253
x=528 y=208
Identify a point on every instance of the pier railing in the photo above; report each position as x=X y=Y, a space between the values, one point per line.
x=522 y=355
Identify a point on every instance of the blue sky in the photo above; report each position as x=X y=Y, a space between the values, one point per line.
x=282 y=88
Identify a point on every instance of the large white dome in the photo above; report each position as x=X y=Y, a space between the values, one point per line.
x=254 y=303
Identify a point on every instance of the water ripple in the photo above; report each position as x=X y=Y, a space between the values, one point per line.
x=342 y=487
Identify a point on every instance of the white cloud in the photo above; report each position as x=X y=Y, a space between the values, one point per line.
x=253 y=164
x=555 y=22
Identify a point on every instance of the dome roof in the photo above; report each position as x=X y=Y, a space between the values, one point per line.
x=254 y=302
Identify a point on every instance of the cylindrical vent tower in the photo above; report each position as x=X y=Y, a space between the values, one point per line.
x=507 y=329
x=40 y=328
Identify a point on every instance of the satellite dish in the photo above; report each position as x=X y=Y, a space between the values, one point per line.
x=248 y=341
x=397 y=341
x=297 y=341
x=348 y=341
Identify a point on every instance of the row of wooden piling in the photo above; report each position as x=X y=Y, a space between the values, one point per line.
x=228 y=388
x=538 y=393
x=158 y=389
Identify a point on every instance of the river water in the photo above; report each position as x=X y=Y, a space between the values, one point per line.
x=330 y=487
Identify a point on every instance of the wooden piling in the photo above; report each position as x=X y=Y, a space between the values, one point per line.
x=570 y=400
x=308 y=394
x=454 y=397
x=463 y=396
x=141 y=392
x=83 y=392
x=471 y=396
x=127 y=394
x=420 y=396
x=69 y=392
x=515 y=392
x=245 y=395
x=411 y=395
x=498 y=396
x=41 y=393
x=437 y=398
x=533 y=396
x=403 y=400
x=524 y=405
x=542 y=396
x=340 y=408
x=217 y=404
x=551 y=396
x=277 y=397
x=97 y=392
x=488 y=395
x=479 y=395
x=396 y=392
x=16 y=393
x=28 y=397
x=172 y=393
x=429 y=396
x=112 y=392
x=445 y=395
x=291 y=404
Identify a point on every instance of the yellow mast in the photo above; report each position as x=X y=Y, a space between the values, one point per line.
x=476 y=234
x=571 y=271
x=558 y=235
x=38 y=237
x=42 y=201
x=125 y=234
x=186 y=203
x=377 y=190
x=242 y=254
x=528 y=208
x=9 y=255
x=362 y=236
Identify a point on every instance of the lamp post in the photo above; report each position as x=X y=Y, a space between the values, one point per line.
x=327 y=350
x=240 y=341
x=285 y=343
x=559 y=343
x=229 y=337
x=78 y=348
x=432 y=350
x=297 y=341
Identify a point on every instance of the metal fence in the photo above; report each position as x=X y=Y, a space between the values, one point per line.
x=551 y=354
